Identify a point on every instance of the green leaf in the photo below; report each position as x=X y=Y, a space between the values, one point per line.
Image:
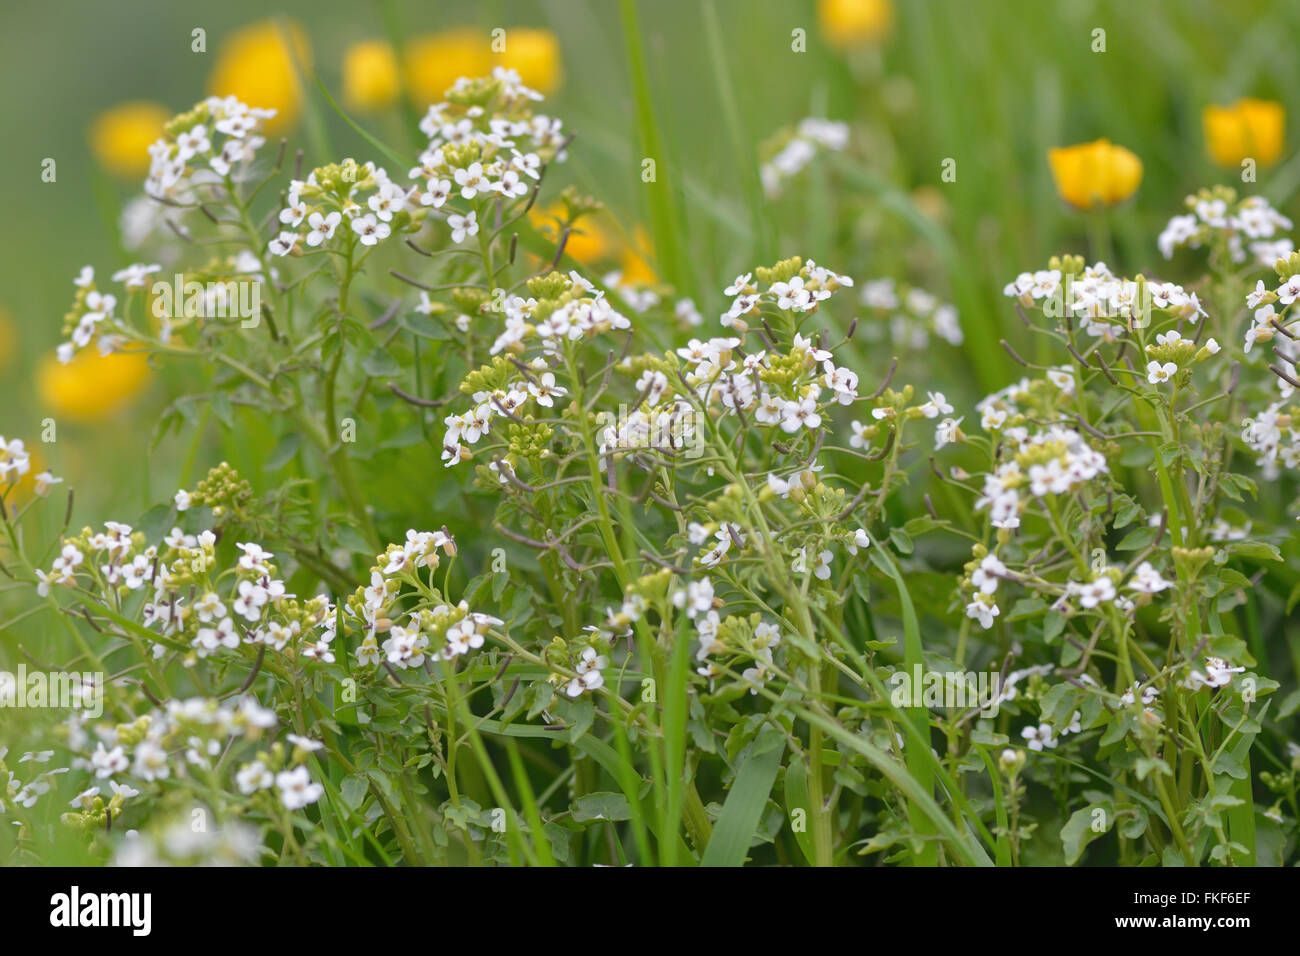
x=1259 y=550
x=155 y=522
x=425 y=327
x=902 y=542
x=1137 y=539
x=379 y=364
x=743 y=808
x=354 y=791
x=796 y=798
x=1078 y=831
x=604 y=805
x=284 y=451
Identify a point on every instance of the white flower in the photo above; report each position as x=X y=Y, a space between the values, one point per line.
x=983 y=609
x=988 y=574
x=370 y=229
x=948 y=432
x=283 y=244
x=462 y=226
x=45 y=483
x=108 y=762
x=800 y=414
x=253 y=777
x=1095 y=592
x=1157 y=373
x=696 y=599
x=296 y=788
x=544 y=388
x=936 y=406
x=470 y=180
x=1039 y=737
x=1148 y=580
x=1149 y=695
x=322 y=227
x=1289 y=291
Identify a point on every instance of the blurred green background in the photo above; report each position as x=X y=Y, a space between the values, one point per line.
x=990 y=85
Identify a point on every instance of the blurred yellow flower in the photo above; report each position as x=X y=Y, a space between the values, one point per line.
x=435 y=61
x=370 y=78
x=847 y=23
x=588 y=241
x=1095 y=174
x=535 y=55
x=256 y=65
x=635 y=265
x=120 y=137
x=1248 y=129
x=91 y=387
x=26 y=488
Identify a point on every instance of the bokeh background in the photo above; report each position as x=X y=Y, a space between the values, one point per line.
x=992 y=86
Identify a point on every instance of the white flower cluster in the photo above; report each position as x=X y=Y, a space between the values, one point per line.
x=1217 y=673
x=804 y=290
x=204 y=146
x=16 y=461
x=1267 y=321
x=912 y=315
x=734 y=636
x=362 y=196
x=1054 y=461
x=434 y=629
x=180 y=843
x=798 y=148
x=1043 y=736
x=16 y=794
x=1274 y=436
x=579 y=311
x=1102 y=302
x=244 y=605
x=484 y=141
x=1248 y=227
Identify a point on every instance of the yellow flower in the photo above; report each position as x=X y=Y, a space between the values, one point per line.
x=435 y=61
x=1248 y=129
x=535 y=55
x=847 y=23
x=635 y=264
x=25 y=490
x=370 y=80
x=91 y=387
x=120 y=137
x=588 y=241
x=1095 y=174
x=256 y=65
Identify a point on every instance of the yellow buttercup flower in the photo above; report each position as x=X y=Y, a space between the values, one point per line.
x=435 y=61
x=1095 y=174
x=256 y=65
x=635 y=264
x=535 y=56
x=588 y=242
x=91 y=387
x=120 y=137
x=370 y=76
x=847 y=23
x=1248 y=129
